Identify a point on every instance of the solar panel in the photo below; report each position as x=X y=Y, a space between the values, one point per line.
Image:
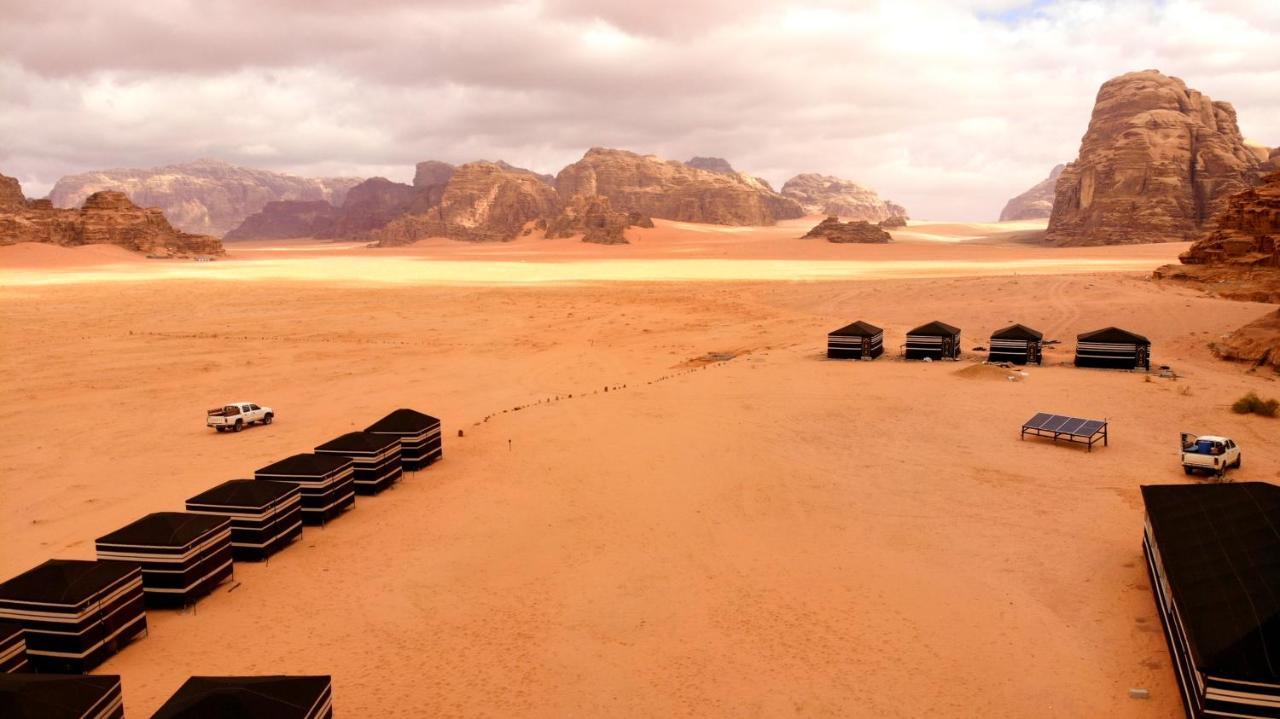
x=1037 y=421
x=1064 y=424
x=1055 y=423
x=1091 y=427
x=1072 y=425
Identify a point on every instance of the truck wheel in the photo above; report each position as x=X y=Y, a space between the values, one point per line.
x=1238 y=461
x=1188 y=470
x=220 y=429
x=239 y=426
x=267 y=419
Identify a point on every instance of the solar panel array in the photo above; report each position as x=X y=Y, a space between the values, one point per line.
x=1064 y=424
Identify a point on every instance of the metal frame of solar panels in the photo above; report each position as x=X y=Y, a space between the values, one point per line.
x=376 y=458
x=265 y=516
x=857 y=340
x=183 y=555
x=253 y=697
x=1071 y=429
x=327 y=483
x=61 y=696
x=419 y=435
x=934 y=340
x=13 y=648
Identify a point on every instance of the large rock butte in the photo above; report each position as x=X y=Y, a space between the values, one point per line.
x=853 y=231
x=1034 y=204
x=205 y=196
x=1158 y=161
x=596 y=220
x=832 y=196
x=672 y=190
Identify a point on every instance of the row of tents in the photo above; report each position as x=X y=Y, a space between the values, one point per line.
x=1110 y=347
x=69 y=615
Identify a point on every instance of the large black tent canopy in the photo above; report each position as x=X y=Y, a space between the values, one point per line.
x=376 y=458
x=1016 y=343
x=934 y=340
x=855 y=341
x=1213 y=552
x=419 y=434
x=183 y=555
x=50 y=696
x=265 y=515
x=1114 y=348
x=13 y=648
x=326 y=482
x=265 y=697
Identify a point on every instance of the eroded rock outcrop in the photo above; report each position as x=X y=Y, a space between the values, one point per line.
x=1257 y=343
x=11 y=197
x=827 y=195
x=893 y=222
x=432 y=173
x=595 y=219
x=672 y=190
x=1034 y=204
x=854 y=231
x=368 y=206
x=1158 y=161
x=712 y=164
x=286 y=220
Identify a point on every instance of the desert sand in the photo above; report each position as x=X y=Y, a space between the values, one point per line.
x=736 y=527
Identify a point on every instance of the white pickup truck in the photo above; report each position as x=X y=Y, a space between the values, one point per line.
x=1209 y=453
x=235 y=416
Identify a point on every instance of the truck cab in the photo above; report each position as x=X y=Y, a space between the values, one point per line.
x=235 y=416
x=1209 y=453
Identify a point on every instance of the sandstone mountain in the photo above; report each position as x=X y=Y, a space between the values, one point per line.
x=712 y=164
x=286 y=220
x=1158 y=161
x=432 y=173
x=672 y=190
x=207 y=196
x=596 y=220
x=1034 y=204
x=107 y=217
x=1246 y=232
x=832 y=196
x=854 y=231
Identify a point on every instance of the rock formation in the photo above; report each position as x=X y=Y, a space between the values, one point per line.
x=826 y=195
x=1158 y=161
x=206 y=196
x=859 y=231
x=892 y=222
x=285 y=220
x=672 y=190
x=1257 y=343
x=368 y=206
x=1034 y=204
x=107 y=217
x=596 y=221
x=712 y=164
x=432 y=173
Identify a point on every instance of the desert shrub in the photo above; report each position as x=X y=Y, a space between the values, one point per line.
x=1253 y=404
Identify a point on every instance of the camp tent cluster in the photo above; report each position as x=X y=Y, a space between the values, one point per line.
x=52 y=696
x=182 y=555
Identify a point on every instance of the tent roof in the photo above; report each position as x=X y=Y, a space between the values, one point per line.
x=858 y=329
x=245 y=493
x=54 y=696
x=166 y=529
x=1113 y=334
x=1017 y=332
x=404 y=420
x=1220 y=546
x=306 y=465
x=66 y=581
x=935 y=329
x=268 y=697
x=359 y=442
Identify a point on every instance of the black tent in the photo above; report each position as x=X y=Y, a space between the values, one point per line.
x=856 y=341
x=269 y=697
x=326 y=482
x=936 y=340
x=376 y=458
x=75 y=613
x=45 y=696
x=1018 y=344
x=1114 y=348
x=183 y=555
x=1213 y=553
x=265 y=516
x=419 y=436
x=13 y=648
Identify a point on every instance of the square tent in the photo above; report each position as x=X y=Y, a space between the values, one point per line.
x=13 y=648
x=856 y=341
x=376 y=458
x=935 y=340
x=265 y=697
x=326 y=482
x=1113 y=348
x=1213 y=553
x=75 y=613
x=45 y=696
x=183 y=555
x=419 y=435
x=1018 y=344
x=265 y=516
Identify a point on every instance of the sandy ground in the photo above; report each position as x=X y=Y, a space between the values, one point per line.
x=769 y=536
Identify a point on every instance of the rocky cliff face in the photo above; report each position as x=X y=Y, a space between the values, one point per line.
x=206 y=196
x=712 y=164
x=1246 y=232
x=1034 y=204
x=596 y=220
x=11 y=197
x=368 y=206
x=286 y=220
x=1257 y=343
x=432 y=173
x=107 y=217
x=854 y=231
x=1157 y=162
x=827 y=195
x=672 y=190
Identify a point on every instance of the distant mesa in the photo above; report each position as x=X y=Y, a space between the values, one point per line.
x=832 y=196
x=595 y=219
x=1034 y=204
x=106 y=217
x=1157 y=162
x=205 y=196
x=712 y=164
x=854 y=231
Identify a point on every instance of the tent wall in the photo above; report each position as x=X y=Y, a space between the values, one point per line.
x=13 y=648
x=931 y=347
x=175 y=575
x=259 y=532
x=1113 y=355
x=323 y=497
x=855 y=347
x=373 y=472
x=1015 y=351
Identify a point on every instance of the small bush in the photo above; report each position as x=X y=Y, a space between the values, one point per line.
x=1253 y=404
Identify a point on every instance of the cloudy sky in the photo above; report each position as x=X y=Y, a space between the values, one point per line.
x=946 y=106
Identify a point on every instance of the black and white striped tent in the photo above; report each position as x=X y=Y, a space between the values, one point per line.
x=936 y=340
x=265 y=516
x=419 y=436
x=51 y=696
x=13 y=648
x=1213 y=553
x=856 y=341
x=182 y=555
x=267 y=697
x=1018 y=344
x=327 y=483
x=75 y=613
x=1114 y=348
x=376 y=458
